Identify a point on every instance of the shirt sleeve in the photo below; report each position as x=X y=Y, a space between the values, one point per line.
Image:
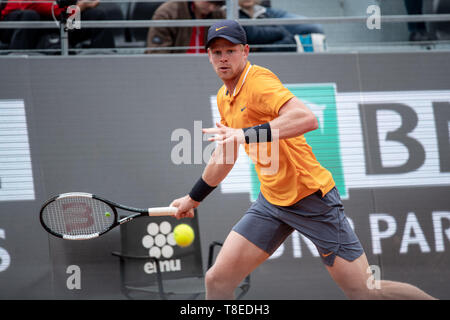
x=270 y=94
x=224 y=122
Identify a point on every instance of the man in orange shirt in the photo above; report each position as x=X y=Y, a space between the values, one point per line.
x=297 y=193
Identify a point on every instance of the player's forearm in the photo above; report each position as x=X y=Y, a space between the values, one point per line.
x=293 y=124
x=294 y=120
x=221 y=162
x=218 y=167
x=214 y=173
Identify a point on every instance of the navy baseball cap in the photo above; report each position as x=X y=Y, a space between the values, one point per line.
x=227 y=29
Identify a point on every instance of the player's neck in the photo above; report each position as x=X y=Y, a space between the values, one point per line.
x=232 y=83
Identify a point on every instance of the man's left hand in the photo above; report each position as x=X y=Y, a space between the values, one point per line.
x=224 y=134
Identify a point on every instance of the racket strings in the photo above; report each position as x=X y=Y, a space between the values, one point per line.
x=77 y=215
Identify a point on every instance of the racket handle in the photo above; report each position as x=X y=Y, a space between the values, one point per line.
x=162 y=211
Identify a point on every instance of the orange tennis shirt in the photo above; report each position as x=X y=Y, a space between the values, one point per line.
x=288 y=171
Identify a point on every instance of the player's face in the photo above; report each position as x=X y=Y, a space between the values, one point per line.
x=228 y=59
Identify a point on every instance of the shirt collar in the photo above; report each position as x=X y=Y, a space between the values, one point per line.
x=241 y=80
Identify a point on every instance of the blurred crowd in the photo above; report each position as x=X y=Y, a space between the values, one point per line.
x=267 y=37
x=157 y=39
x=291 y=37
x=35 y=38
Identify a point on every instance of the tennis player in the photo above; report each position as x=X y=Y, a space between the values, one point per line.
x=300 y=195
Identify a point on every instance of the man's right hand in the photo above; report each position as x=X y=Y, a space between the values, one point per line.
x=185 y=207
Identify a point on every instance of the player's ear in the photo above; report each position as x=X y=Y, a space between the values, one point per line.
x=209 y=55
x=246 y=49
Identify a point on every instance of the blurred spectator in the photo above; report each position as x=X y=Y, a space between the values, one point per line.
x=440 y=29
x=264 y=34
x=304 y=28
x=417 y=30
x=20 y=39
x=276 y=35
x=29 y=10
x=192 y=37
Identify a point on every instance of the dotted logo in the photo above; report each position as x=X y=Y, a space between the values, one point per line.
x=159 y=240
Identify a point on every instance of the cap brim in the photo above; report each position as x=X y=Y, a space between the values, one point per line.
x=231 y=39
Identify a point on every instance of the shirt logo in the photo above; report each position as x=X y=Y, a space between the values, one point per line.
x=217 y=29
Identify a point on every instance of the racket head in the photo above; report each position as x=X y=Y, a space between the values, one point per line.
x=77 y=216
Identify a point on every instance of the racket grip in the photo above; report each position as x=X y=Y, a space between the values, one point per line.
x=162 y=211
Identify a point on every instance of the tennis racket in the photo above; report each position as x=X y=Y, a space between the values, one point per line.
x=82 y=216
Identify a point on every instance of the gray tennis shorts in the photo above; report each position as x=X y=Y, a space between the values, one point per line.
x=320 y=219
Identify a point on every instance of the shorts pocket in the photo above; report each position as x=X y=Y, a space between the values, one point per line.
x=312 y=205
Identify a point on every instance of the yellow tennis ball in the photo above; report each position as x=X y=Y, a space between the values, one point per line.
x=183 y=235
